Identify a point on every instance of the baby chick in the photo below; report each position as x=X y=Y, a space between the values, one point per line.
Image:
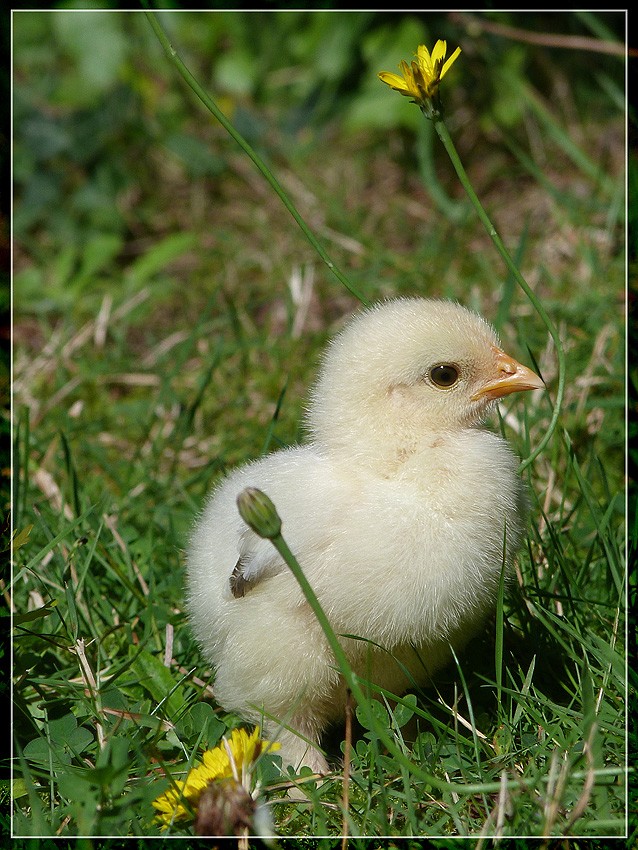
x=401 y=511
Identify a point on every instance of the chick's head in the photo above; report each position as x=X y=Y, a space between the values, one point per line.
x=407 y=368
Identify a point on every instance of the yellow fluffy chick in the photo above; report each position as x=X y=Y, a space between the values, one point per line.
x=397 y=510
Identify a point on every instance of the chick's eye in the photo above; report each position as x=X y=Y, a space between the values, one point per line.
x=445 y=375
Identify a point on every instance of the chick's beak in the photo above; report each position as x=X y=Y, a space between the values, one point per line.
x=509 y=376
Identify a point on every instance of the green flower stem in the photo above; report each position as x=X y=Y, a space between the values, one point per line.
x=212 y=107
x=448 y=144
x=455 y=211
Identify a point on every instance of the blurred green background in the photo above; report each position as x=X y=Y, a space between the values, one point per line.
x=123 y=181
x=110 y=148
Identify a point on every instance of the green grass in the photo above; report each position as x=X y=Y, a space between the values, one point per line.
x=161 y=342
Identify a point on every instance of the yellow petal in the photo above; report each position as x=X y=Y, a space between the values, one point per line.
x=217 y=762
x=423 y=55
x=394 y=81
x=242 y=746
x=450 y=61
x=170 y=805
x=198 y=779
x=168 y=801
x=440 y=49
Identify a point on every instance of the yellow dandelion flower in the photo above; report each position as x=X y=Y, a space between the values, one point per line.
x=232 y=759
x=422 y=76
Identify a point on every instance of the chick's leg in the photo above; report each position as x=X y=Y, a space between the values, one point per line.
x=299 y=743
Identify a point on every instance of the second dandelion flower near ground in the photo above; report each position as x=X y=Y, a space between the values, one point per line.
x=228 y=772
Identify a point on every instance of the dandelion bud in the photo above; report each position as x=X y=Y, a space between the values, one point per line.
x=258 y=512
